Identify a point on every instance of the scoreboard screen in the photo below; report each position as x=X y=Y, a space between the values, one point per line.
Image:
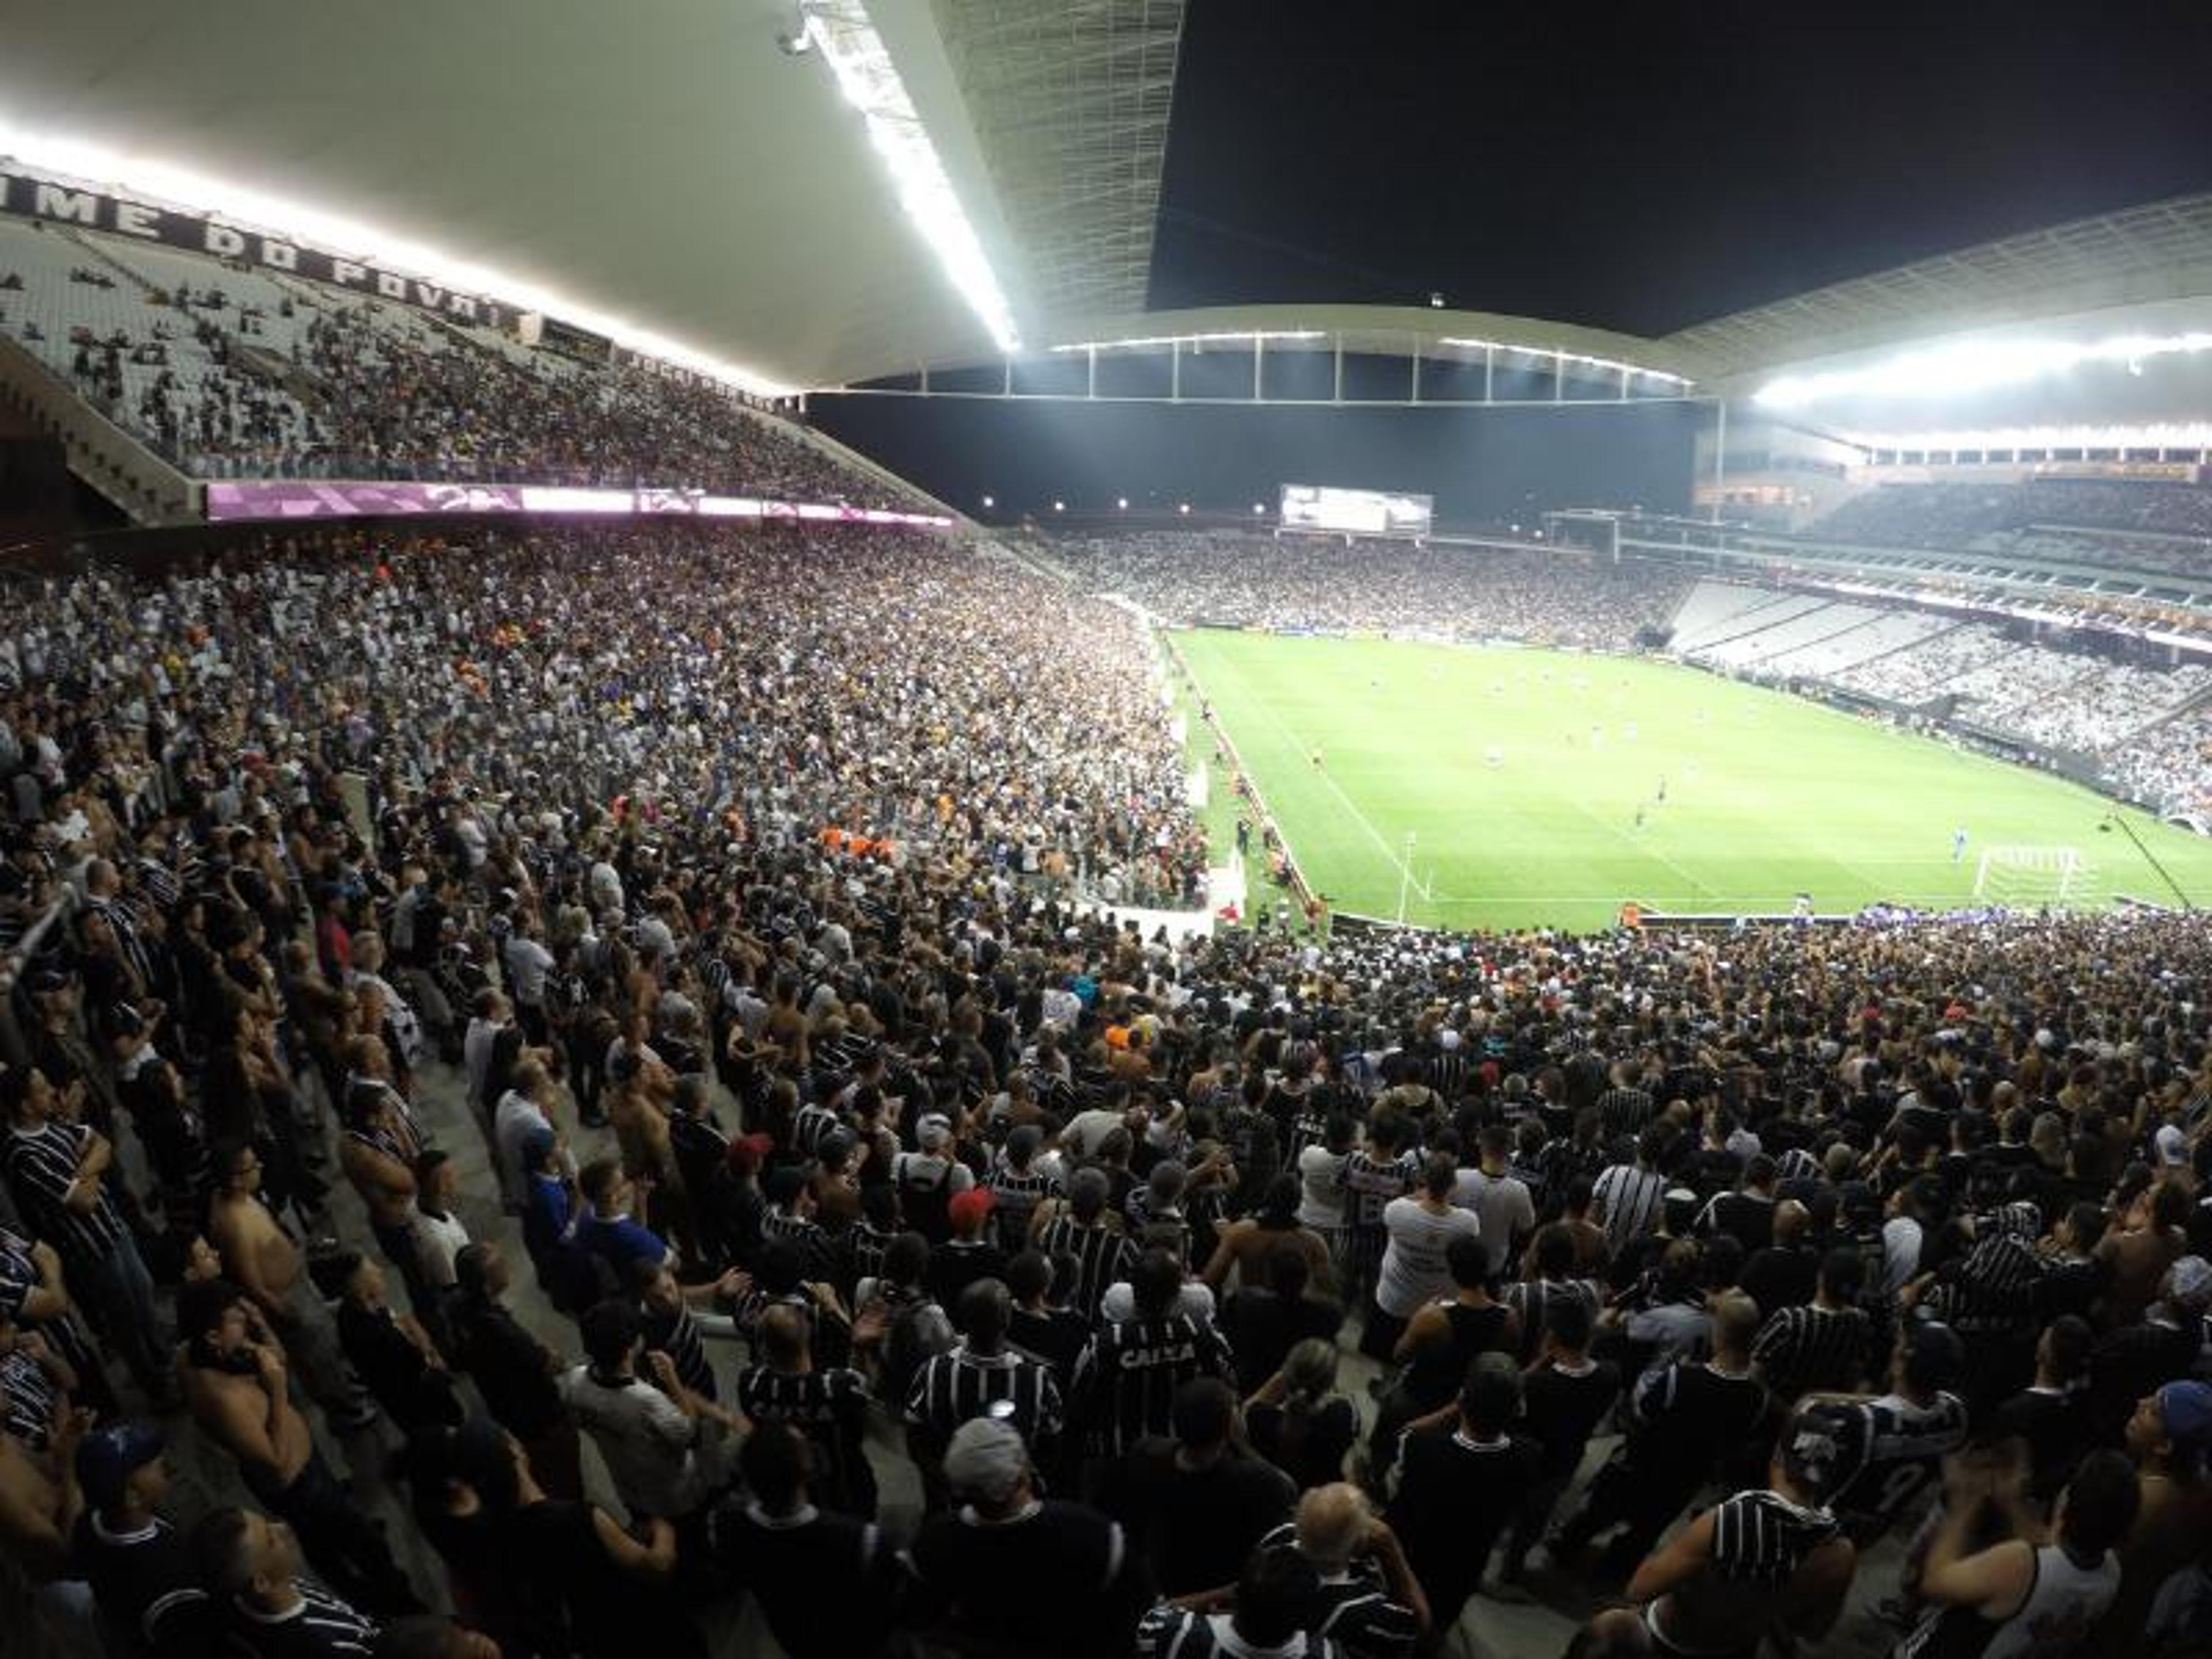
x=1360 y=512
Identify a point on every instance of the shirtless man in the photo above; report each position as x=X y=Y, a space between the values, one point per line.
x=262 y=1259
x=39 y=1500
x=1772 y=1558
x=378 y=1152
x=235 y=1379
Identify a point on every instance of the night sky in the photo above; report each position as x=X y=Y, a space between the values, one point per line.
x=1647 y=164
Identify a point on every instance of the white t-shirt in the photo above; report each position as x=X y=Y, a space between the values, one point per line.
x=438 y=1240
x=1415 y=1268
x=1502 y=1204
x=527 y=963
x=1321 y=1200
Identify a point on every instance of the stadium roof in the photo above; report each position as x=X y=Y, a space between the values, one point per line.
x=2145 y=255
x=665 y=167
x=666 y=163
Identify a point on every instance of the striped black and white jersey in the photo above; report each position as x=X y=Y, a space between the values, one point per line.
x=1534 y=1299
x=1126 y=1379
x=1168 y=1632
x=1763 y=1538
x=1372 y=1182
x=812 y=1124
x=1892 y=1456
x=960 y=1385
x=1102 y=1256
x=829 y=1406
x=1799 y=1349
x=1622 y=1113
x=27 y=1400
x=1356 y=1610
x=319 y=1626
x=42 y=1165
x=1631 y=1197
x=814 y=1244
x=1017 y=1193
x=677 y=1335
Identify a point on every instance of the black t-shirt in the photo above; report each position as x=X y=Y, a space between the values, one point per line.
x=508 y=1365
x=2055 y=1428
x=1262 y=1328
x=1689 y=1416
x=955 y=1265
x=1194 y=1527
x=1781 y=1276
x=1060 y=1578
x=1310 y=1450
x=1560 y=1409
x=827 y=1584
x=579 y=1598
x=1454 y=1497
x=147 y=1587
x=393 y=1368
x=1055 y=1336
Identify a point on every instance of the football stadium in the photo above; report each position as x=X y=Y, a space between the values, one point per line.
x=1108 y=829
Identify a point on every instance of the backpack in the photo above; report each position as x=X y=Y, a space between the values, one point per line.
x=916 y=1330
x=927 y=1207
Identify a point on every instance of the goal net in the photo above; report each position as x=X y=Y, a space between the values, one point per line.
x=2035 y=878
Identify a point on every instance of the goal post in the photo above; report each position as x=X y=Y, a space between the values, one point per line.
x=2034 y=878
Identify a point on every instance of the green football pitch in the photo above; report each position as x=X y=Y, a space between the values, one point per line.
x=1509 y=788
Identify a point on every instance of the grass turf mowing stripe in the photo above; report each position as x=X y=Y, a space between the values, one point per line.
x=1530 y=780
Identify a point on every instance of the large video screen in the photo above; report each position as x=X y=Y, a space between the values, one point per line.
x=1361 y=511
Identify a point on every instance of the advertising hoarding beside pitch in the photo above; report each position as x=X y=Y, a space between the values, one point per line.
x=291 y=498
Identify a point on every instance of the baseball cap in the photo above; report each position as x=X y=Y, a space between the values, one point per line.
x=2185 y=1408
x=1815 y=1446
x=2189 y=1283
x=971 y=1206
x=986 y=1459
x=933 y=1130
x=2172 y=1145
x=108 y=1456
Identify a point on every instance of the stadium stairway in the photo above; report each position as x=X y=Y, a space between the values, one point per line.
x=1916 y=642
x=109 y=459
x=1859 y=617
x=1797 y=605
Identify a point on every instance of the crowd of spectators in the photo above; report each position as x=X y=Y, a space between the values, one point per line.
x=1436 y=591
x=706 y=892
x=247 y=374
x=2164 y=526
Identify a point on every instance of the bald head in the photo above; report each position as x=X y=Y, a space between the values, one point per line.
x=1790 y=1220
x=1332 y=1525
x=1735 y=1322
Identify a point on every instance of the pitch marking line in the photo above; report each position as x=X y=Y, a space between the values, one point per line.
x=1358 y=816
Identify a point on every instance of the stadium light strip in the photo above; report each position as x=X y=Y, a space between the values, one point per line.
x=2195 y=435
x=159 y=183
x=1220 y=337
x=1584 y=358
x=862 y=64
x=1974 y=366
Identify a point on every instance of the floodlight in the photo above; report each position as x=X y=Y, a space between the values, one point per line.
x=1121 y=501
x=870 y=81
x=1183 y=507
x=988 y=502
x=1060 y=506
